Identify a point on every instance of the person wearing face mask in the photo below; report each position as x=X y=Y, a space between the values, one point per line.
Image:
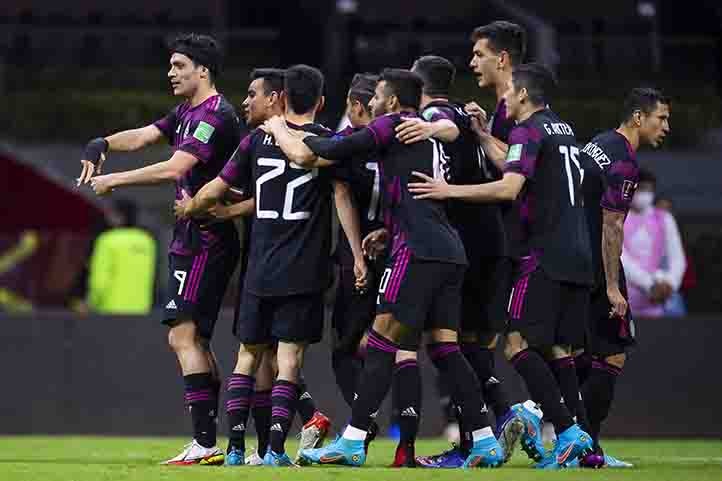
x=652 y=256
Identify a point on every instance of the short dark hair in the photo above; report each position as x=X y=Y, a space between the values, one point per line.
x=538 y=81
x=644 y=99
x=405 y=84
x=304 y=87
x=362 y=88
x=438 y=74
x=272 y=79
x=201 y=49
x=647 y=176
x=502 y=35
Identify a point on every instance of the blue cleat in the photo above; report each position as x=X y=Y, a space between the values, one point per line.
x=342 y=451
x=235 y=457
x=571 y=444
x=277 y=460
x=509 y=429
x=453 y=458
x=597 y=461
x=531 y=438
x=612 y=462
x=485 y=453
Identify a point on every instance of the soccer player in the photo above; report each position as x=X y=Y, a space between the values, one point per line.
x=611 y=174
x=420 y=289
x=498 y=48
x=354 y=310
x=551 y=295
x=203 y=130
x=288 y=269
x=264 y=99
x=483 y=313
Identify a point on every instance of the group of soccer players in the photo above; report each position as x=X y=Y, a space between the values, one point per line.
x=454 y=229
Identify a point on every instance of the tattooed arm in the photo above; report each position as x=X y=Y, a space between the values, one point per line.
x=612 y=241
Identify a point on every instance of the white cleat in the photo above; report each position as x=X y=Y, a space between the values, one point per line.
x=194 y=453
x=313 y=434
x=254 y=460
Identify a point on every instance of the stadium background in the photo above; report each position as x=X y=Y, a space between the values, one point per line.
x=70 y=71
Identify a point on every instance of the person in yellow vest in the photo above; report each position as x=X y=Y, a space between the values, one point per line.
x=122 y=266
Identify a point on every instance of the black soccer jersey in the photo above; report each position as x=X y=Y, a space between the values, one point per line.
x=611 y=174
x=500 y=124
x=364 y=178
x=210 y=132
x=419 y=225
x=479 y=225
x=554 y=228
x=290 y=240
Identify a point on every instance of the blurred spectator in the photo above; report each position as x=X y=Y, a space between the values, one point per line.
x=122 y=266
x=653 y=257
x=676 y=305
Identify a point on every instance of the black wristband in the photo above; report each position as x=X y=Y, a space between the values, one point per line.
x=94 y=149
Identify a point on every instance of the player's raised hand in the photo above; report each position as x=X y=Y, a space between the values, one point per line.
x=414 y=130
x=374 y=244
x=430 y=188
x=617 y=301
x=92 y=159
x=274 y=125
x=102 y=184
x=180 y=206
x=477 y=114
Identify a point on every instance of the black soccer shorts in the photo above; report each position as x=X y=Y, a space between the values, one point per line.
x=294 y=319
x=197 y=285
x=422 y=295
x=354 y=312
x=485 y=295
x=607 y=337
x=548 y=312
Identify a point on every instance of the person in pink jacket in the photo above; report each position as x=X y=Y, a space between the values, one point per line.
x=653 y=257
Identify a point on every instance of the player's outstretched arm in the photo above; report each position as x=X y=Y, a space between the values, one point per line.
x=205 y=199
x=291 y=143
x=134 y=139
x=340 y=149
x=167 y=171
x=227 y=212
x=349 y=219
x=416 y=130
x=125 y=141
x=612 y=242
x=507 y=188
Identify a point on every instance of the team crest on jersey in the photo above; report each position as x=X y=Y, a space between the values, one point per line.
x=203 y=132
x=429 y=113
x=514 y=153
x=628 y=188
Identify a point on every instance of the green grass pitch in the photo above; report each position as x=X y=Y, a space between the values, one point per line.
x=65 y=458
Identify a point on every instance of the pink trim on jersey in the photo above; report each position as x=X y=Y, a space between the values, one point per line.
x=199 y=265
x=519 y=294
x=398 y=274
